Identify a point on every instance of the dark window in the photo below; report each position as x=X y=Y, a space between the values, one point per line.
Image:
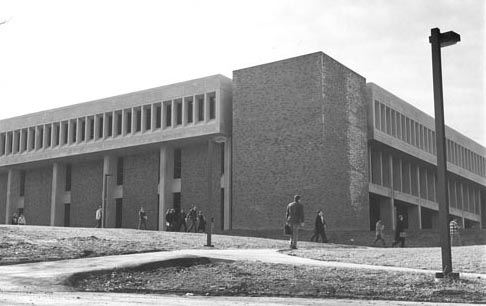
x=91 y=128
x=48 y=136
x=179 y=113
x=212 y=107
x=189 y=111
x=100 y=127
x=66 y=135
x=68 y=178
x=41 y=137
x=22 y=183
x=129 y=122
x=118 y=213
x=168 y=115
x=67 y=214
x=148 y=119
x=177 y=201
x=158 y=116
x=177 y=163
x=119 y=171
x=200 y=109
x=119 y=123
x=110 y=126
x=139 y=120
x=83 y=130
x=74 y=131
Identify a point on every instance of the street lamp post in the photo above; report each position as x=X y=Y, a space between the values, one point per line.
x=105 y=201
x=437 y=41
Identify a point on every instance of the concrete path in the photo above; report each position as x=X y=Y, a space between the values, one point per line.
x=45 y=283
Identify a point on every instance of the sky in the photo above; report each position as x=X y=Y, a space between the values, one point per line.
x=59 y=53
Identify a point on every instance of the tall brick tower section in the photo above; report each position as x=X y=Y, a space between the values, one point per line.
x=300 y=127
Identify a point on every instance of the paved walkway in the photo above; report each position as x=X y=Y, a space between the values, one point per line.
x=46 y=283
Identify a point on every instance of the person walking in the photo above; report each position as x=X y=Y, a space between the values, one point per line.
x=400 y=232
x=182 y=222
x=15 y=218
x=454 y=230
x=99 y=216
x=142 y=219
x=201 y=222
x=379 y=228
x=191 y=217
x=319 y=227
x=295 y=218
x=21 y=220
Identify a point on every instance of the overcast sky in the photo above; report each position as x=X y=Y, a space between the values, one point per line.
x=58 y=53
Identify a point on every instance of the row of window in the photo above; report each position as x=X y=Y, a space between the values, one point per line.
x=409 y=177
x=400 y=126
x=152 y=117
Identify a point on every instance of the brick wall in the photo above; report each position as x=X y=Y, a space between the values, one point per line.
x=140 y=174
x=299 y=127
x=3 y=196
x=37 y=199
x=194 y=181
x=86 y=192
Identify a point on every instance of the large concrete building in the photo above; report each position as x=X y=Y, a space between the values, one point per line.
x=240 y=149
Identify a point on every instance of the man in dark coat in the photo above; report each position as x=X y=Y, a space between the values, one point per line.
x=319 y=227
x=295 y=218
x=400 y=232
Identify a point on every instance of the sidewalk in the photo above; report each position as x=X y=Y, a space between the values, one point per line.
x=51 y=277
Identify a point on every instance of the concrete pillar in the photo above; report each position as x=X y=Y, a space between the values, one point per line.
x=109 y=184
x=124 y=122
x=57 y=192
x=16 y=138
x=174 y=113
x=13 y=186
x=165 y=183
x=228 y=205
x=8 y=142
x=419 y=208
x=387 y=213
x=134 y=120
x=153 y=113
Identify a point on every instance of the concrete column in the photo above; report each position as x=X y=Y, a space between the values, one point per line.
x=124 y=122
x=173 y=113
x=79 y=128
x=419 y=208
x=2 y=143
x=8 y=142
x=134 y=120
x=95 y=127
x=184 y=112
x=153 y=114
x=53 y=135
x=36 y=138
x=165 y=183
x=228 y=205
x=16 y=140
x=109 y=184
x=57 y=192
x=13 y=186
x=209 y=179
x=392 y=193
x=143 y=119
x=105 y=125
x=61 y=133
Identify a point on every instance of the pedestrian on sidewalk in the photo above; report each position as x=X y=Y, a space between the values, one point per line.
x=142 y=219
x=379 y=228
x=295 y=218
x=21 y=220
x=182 y=221
x=99 y=216
x=201 y=222
x=319 y=227
x=454 y=230
x=15 y=218
x=400 y=232
x=191 y=218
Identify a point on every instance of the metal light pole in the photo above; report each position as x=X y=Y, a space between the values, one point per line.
x=105 y=201
x=437 y=41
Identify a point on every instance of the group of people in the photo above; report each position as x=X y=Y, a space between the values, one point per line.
x=18 y=218
x=295 y=220
x=193 y=220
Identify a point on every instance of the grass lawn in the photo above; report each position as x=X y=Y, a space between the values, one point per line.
x=36 y=243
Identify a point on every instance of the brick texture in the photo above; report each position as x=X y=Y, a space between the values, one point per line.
x=37 y=200
x=86 y=192
x=140 y=174
x=3 y=196
x=299 y=127
x=195 y=183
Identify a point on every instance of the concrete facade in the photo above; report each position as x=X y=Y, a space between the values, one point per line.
x=239 y=150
